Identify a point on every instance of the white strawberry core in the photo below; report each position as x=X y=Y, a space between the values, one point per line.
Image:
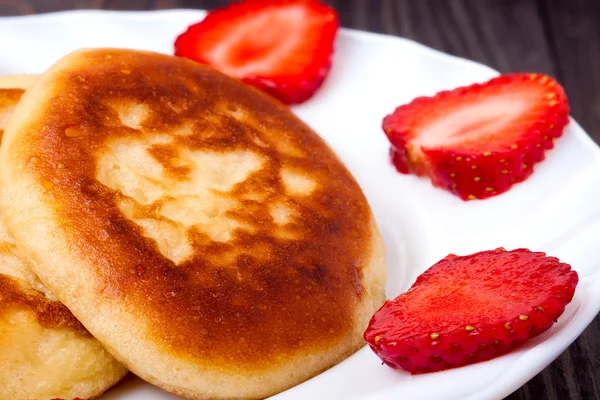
x=259 y=45
x=485 y=118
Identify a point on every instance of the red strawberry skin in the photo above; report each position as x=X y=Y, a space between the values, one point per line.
x=283 y=47
x=477 y=141
x=473 y=308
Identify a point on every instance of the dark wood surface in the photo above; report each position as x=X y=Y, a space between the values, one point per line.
x=561 y=38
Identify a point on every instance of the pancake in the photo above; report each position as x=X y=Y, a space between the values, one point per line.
x=45 y=353
x=208 y=238
x=18 y=82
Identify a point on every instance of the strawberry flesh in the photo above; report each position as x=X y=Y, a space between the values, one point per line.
x=472 y=308
x=283 y=47
x=477 y=141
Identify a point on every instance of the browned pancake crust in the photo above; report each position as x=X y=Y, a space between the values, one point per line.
x=9 y=98
x=49 y=313
x=279 y=297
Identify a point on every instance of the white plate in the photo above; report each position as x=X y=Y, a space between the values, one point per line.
x=556 y=210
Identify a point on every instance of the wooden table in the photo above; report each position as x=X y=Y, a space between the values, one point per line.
x=561 y=38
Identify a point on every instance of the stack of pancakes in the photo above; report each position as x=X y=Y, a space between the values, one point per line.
x=173 y=218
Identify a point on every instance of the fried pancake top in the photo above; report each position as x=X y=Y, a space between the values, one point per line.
x=17 y=283
x=202 y=204
x=9 y=98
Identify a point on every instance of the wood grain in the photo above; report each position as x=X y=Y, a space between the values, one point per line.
x=561 y=38
x=574 y=33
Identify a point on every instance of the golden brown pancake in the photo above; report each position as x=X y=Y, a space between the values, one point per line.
x=206 y=236
x=45 y=353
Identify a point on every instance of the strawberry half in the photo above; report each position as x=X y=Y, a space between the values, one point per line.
x=468 y=309
x=283 y=47
x=477 y=141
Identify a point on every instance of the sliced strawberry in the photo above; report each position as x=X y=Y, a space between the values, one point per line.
x=477 y=141
x=468 y=309
x=281 y=46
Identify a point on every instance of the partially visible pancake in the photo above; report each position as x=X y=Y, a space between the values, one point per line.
x=18 y=82
x=12 y=88
x=206 y=236
x=45 y=353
